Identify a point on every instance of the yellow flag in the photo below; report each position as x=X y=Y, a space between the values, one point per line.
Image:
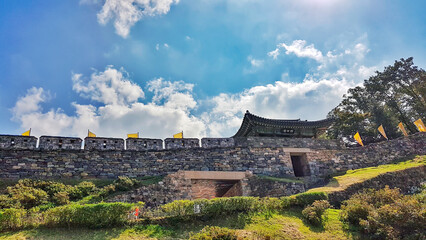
x=358 y=138
x=382 y=131
x=178 y=135
x=27 y=133
x=420 y=125
x=90 y=134
x=401 y=127
x=133 y=135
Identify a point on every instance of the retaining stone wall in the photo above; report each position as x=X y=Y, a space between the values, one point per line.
x=289 y=142
x=327 y=162
x=406 y=180
x=267 y=188
x=272 y=161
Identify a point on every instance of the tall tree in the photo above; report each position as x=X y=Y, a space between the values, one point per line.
x=395 y=95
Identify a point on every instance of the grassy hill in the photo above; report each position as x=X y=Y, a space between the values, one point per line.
x=283 y=223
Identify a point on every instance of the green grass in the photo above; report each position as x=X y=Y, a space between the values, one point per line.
x=288 y=180
x=270 y=225
x=291 y=225
x=339 y=183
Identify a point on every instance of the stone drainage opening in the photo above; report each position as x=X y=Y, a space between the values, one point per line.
x=300 y=164
x=215 y=184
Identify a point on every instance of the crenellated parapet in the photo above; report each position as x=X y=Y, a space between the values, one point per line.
x=217 y=142
x=55 y=143
x=17 y=142
x=100 y=143
x=150 y=144
x=143 y=144
x=179 y=143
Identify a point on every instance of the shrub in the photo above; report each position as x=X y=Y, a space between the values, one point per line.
x=82 y=190
x=107 y=190
x=28 y=197
x=55 y=187
x=86 y=188
x=406 y=217
x=387 y=214
x=305 y=199
x=215 y=233
x=89 y=215
x=314 y=212
x=11 y=219
x=187 y=209
x=361 y=204
x=61 y=198
x=8 y=202
x=125 y=183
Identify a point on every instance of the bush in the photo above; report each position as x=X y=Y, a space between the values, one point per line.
x=82 y=190
x=361 y=204
x=314 y=212
x=89 y=215
x=305 y=199
x=11 y=219
x=8 y=202
x=28 y=197
x=107 y=190
x=187 y=209
x=406 y=217
x=215 y=233
x=387 y=214
x=61 y=198
x=125 y=183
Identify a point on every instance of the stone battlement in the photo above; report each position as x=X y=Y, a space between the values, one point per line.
x=148 y=144
x=311 y=159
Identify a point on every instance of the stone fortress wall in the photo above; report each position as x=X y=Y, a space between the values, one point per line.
x=59 y=157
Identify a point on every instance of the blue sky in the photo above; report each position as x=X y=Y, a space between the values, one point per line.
x=162 y=66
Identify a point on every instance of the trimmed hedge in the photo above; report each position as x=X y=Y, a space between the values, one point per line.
x=307 y=198
x=89 y=215
x=187 y=209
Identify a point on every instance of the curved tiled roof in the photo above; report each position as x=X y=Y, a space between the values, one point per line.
x=251 y=120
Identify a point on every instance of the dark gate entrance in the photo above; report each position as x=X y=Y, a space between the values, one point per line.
x=300 y=165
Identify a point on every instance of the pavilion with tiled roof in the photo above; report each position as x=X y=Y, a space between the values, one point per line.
x=255 y=126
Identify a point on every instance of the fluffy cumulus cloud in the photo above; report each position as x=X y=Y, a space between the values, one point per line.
x=108 y=87
x=116 y=108
x=125 y=13
x=300 y=49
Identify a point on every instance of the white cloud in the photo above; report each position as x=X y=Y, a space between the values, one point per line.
x=255 y=62
x=275 y=53
x=30 y=102
x=125 y=13
x=108 y=87
x=299 y=48
x=120 y=110
x=166 y=45
x=157 y=47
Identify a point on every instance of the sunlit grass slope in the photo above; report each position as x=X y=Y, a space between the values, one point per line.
x=359 y=175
